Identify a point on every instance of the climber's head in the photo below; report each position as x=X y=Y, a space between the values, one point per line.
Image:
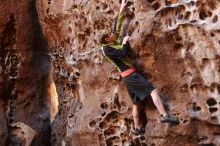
x=107 y=38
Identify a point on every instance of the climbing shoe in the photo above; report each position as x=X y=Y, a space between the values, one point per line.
x=169 y=118
x=138 y=132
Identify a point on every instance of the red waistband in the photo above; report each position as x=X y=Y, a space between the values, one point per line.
x=127 y=72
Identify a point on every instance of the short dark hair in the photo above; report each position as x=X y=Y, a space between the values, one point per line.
x=103 y=37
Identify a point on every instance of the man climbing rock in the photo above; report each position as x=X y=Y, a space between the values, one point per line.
x=138 y=87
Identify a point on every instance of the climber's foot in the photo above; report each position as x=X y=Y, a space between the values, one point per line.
x=169 y=119
x=138 y=132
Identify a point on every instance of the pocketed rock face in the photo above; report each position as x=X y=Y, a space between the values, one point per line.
x=25 y=76
x=21 y=134
x=177 y=42
x=3 y=127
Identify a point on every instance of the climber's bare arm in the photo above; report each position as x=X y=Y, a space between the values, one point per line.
x=119 y=19
x=123 y=4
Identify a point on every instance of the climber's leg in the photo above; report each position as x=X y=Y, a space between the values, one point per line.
x=136 y=115
x=138 y=129
x=157 y=102
x=164 y=116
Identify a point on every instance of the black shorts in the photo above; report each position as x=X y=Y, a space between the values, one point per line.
x=138 y=87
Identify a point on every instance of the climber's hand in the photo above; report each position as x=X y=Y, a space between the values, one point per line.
x=126 y=39
x=123 y=4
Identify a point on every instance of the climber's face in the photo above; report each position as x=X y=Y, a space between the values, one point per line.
x=110 y=38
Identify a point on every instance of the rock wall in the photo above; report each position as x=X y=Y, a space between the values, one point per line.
x=50 y=56
x=178 y=43
x=25 y=76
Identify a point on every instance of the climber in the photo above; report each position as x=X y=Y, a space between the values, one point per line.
x=138 y=87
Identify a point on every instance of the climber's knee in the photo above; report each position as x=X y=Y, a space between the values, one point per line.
x=136 y=107
x=154 y=93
